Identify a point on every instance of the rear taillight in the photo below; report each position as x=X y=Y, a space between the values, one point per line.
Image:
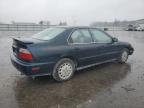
x=25 y=54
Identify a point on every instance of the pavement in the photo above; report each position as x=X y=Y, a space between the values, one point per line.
x=109 y=85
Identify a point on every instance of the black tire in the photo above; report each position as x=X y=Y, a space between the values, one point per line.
x=56 y=74
x=123 y=52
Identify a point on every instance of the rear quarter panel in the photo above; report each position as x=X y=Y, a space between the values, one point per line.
x=51 y=53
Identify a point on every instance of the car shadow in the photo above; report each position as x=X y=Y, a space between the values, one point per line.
x=87 y=83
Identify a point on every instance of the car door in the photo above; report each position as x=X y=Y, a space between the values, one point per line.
x=109 y=49
x=84 y=47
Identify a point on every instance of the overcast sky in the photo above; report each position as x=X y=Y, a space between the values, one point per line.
x=78 y=12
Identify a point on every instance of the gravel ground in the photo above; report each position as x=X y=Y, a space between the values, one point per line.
x=110 y=85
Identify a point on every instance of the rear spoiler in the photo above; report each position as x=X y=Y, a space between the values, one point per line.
x=21 y=40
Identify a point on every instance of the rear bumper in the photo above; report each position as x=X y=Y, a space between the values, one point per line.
x=27 y=68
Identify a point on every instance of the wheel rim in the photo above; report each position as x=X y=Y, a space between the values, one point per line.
x=124 y=56
x=65 y=70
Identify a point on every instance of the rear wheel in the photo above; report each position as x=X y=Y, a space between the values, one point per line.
x=124 y=56
x=63 y=70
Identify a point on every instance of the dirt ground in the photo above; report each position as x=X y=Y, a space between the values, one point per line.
x=110 y=85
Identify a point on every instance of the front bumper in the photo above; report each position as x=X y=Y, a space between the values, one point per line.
x=27 y=68
x=131 y=50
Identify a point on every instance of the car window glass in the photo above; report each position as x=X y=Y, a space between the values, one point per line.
x=81 y=36
x=100 y=36
x=49 y=33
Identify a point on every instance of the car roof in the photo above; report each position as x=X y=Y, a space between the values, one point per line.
x=73 y=27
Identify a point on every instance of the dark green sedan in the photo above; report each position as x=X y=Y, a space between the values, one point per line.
x=60 y=51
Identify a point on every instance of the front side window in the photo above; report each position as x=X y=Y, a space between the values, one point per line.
x=100 y=36
x=49 y=33
x=81 y=36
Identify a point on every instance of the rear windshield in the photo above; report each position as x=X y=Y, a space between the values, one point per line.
x=49 y=33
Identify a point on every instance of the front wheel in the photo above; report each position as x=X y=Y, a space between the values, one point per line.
x=124 y=56
x=63 y=70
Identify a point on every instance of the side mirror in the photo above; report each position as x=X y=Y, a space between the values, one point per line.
x=115 y=39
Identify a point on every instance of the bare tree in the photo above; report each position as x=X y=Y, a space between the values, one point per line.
x=62 y=23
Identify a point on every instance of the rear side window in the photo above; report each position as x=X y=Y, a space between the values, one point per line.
x=100 y=36
x=81 y=36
